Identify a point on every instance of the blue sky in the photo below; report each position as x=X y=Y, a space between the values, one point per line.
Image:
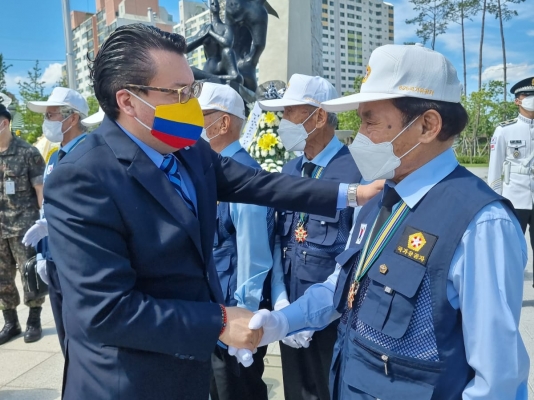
x=33 y=29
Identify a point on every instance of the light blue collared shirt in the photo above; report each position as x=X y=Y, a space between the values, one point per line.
x=157 y=158
x=485 y=282
x=73 y=143
x=254 y=257
x=278 y=289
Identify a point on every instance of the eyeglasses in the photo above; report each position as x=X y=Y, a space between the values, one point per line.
x=184 y=93
x=49 y=115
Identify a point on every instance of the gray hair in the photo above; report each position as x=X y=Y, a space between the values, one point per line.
x=67 y=111
x=332 y=120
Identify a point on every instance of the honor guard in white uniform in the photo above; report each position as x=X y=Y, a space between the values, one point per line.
x=511 y=168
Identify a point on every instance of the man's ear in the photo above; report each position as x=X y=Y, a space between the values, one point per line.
x=431 y=123
x=124 y=101
x=321 y=119
x=225 y=124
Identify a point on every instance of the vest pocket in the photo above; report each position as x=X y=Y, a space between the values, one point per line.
x=222 y=264
x=314 y=266
x=391 y=295
x=387 y=376
x=322 y=230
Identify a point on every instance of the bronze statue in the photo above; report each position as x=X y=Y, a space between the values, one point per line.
x=233 y=48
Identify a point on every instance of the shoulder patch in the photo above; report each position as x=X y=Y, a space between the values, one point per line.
x=509 y=122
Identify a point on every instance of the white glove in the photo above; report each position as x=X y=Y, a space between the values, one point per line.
x=281 y=304
x=298 y=340
x=41 y=270
x=244 y=356
x=38 y=231
x=275 y=326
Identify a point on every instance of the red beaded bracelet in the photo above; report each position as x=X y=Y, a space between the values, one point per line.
x=224 y=319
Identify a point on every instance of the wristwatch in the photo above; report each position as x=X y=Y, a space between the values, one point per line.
x=352 y=195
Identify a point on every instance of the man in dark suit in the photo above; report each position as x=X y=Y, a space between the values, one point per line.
x=131 y=216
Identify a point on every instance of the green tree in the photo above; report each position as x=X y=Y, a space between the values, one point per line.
x=93 y=104
x=31 y=89
x=3 y=69
x=63 y=82
x=501 y=11
x=462 y=10
x=486 y=110
x=349 y=120
x=432 y=19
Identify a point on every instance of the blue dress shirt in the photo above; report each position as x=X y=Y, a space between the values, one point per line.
x=254 y=257
x=157 y=158
x=482 y=282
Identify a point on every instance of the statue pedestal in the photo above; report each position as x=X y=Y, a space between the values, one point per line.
x=294 y=41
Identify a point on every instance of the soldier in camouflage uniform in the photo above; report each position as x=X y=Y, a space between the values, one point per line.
x=21 y=188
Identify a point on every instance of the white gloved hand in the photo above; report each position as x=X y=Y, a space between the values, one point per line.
x=244 y=356
x=275 y=325
x=281 y=304
x=41 y=270
x=38 y=231
x=298 y=340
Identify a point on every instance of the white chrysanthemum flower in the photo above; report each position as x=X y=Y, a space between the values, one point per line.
x=280 y=145
x=280 y=162
x=262 y=124
x=270 y=131
x=286 y=155
x=279 y=169
x=257 y=154
x=272 y=152
x=264 y=166
x=269 y=160
x=264 y=153
x=279 y=114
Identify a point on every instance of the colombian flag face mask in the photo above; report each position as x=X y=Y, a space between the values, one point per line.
x=177 y=125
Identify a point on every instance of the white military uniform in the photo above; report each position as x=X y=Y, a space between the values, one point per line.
x=511 y=168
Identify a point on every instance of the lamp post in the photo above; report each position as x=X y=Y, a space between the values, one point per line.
x=68 y=44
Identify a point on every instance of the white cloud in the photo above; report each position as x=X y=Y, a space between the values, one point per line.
x=52 y=74
x=12 y=81
x=514 y=72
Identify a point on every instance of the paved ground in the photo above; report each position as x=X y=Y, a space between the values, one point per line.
x=34 y=371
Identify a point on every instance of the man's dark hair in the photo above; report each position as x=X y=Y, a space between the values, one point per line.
x=453 y=115
x=4 y=113
x=125 y=58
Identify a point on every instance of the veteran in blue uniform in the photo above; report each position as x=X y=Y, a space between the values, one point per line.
x=63 y=112
x=309 y=243
x=243 y=244
x=429 y=290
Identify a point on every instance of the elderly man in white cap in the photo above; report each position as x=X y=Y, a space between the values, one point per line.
x=63 y=111
x=429 y=290
x=243 y=245
x=310 y=243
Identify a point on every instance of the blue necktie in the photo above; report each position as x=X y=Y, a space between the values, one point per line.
x=170 y=167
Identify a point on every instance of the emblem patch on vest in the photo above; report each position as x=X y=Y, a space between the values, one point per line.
x=361 y=234
x=416 y=245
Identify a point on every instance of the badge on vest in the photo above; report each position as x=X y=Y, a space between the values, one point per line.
x=361 y=234
x=416 y=245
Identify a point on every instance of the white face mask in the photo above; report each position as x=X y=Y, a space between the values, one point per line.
x=204 y=134
x=528 y=103
x=294 y=136
x=3 y=127
x=52 y=130
x=377 y=160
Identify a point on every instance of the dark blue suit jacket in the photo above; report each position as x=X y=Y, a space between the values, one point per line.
x=140 y=289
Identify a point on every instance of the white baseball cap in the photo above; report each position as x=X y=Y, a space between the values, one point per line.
x=61 y=96
x=301 y=90
x=5 y=100
x=94 y=119
x=403 y=71
x=222 y=98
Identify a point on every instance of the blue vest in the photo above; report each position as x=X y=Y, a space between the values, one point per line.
x=314 y=260
x=225 y=246
x=402 y=339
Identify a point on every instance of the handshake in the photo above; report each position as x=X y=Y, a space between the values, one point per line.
x=246 y=331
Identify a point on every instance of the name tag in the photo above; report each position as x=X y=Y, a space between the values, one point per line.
x=10 y=187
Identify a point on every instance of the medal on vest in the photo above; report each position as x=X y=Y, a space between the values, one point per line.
x=516 y=153
x=371 y=252
x=301 y=233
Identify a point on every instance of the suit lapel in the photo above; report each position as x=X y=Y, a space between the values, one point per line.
x=191 y=160
x=152 y=179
